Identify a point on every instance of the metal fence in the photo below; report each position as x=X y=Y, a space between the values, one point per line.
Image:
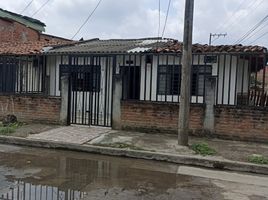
x=24 y=74
x=241 y=77
x=29 y=191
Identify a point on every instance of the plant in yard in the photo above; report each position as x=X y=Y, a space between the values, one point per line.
x=11 y=128
x=258 y=159
x=203 y=149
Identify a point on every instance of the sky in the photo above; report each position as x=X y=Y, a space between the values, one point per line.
x=140 y=18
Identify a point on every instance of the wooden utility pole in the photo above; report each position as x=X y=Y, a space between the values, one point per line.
x=185 y=96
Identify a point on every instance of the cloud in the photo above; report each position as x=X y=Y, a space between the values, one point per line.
x=139 y=18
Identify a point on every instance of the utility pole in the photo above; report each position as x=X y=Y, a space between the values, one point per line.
x=185 y=95
x=218 y=35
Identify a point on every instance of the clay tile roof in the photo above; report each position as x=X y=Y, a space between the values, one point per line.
x=142 y=45
x=28 y=48
x=176 y=46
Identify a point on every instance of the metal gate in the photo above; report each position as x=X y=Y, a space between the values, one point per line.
x=90 y=93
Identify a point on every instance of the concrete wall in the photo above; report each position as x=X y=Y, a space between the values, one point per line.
x=39 y=109
x=249 y=124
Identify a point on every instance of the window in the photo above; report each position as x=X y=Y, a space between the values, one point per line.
x=87 y=81
x=85 y=78
x=169 y=79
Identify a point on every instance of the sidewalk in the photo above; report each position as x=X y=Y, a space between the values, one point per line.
x=231 y=155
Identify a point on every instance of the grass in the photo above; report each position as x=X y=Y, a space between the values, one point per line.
x=7 y=130
x=258 y=159
x=203 y=149
x=120 y=145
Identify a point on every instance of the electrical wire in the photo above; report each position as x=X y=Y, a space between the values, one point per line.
x=233 y=14
x=163 y=32
x=27 y=6
x=260 y=29
x=40 y=8
x=252 y=30
x=264 y=34
x=249 y=8
x=89 y=16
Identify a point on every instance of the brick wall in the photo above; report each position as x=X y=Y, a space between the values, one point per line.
x=242 y=123
x=31 y=108
x=248 y=124
x=157 y=117
x=16 y=32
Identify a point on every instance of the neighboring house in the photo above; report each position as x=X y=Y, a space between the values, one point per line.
x=21 y=43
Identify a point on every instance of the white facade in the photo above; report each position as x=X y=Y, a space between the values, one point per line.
x=231 y=74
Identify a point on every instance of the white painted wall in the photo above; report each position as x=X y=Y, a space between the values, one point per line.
x=231 y=76
x=99 y=108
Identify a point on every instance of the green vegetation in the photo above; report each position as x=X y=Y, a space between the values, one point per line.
x=258 y=159
x=11 y=128
x=120 y=145
x=203 y=149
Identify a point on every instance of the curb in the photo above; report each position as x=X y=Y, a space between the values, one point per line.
x=199 y=161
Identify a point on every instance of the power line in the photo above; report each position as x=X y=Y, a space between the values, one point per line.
x=27 y=6
x=163 y=32
x=260 y=29
x=252 y=30
x=249 y=7
x=159 y=18
x=40 y=8
x=89 y=16
x=259 y=38
x=233 y=14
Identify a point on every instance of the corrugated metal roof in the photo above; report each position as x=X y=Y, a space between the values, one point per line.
x=113 y=46
x=156 y=45
x=27 y=21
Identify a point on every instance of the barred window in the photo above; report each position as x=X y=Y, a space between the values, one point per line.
x=169 y=78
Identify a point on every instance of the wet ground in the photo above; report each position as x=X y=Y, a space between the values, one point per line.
x=38 y=174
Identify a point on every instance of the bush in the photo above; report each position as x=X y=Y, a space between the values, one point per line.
x=11 y=128
x=258 y=159
x=203 y=149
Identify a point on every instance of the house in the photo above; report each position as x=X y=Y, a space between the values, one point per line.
x=135 y=84
x=150 y=71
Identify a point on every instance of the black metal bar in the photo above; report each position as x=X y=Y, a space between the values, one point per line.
x=151 y=79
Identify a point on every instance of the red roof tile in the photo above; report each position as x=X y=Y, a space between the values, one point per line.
x=27 y=48
x=176 y=47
